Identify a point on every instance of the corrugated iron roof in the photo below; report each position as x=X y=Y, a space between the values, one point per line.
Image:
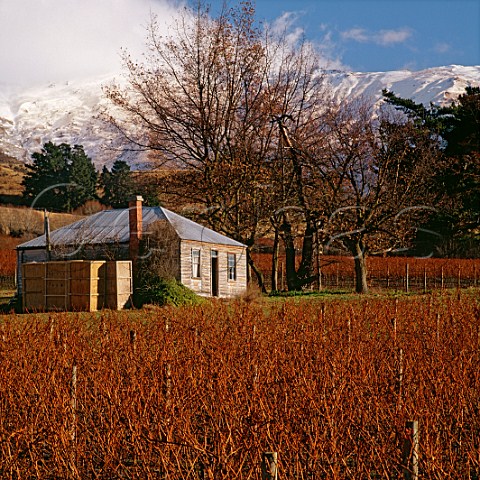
x=112 y=226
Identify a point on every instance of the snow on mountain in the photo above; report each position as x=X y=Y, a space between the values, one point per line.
x=438 y=85
x=69 y=112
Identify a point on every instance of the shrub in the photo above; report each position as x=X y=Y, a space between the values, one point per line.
x=161 y=291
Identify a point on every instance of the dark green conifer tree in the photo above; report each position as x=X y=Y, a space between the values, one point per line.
x=457 y=179
x=118 y=185
x=60 y=178
x=83 y=178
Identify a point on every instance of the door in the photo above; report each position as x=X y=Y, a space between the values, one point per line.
x=214 y=272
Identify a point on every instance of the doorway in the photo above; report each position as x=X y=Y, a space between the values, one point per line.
x=214 y=272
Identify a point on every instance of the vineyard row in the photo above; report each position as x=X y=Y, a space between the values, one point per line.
x=204 y=392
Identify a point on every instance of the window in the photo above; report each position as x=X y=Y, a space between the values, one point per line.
x=196 y=263
x=232 y=266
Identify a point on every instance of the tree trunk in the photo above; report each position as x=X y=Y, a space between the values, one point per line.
x=305 y=276
x=285 y=231
x=290 y=260
x=290 y=271
x=297 y=279
x=276 y=247
x=257 y=272
x=360 y=260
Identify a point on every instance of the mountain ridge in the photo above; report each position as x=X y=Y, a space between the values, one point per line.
x=69 y=111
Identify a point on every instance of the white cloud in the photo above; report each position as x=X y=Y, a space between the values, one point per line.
x=326 y=49
x=356 y=34
x=389 y=37
x=382 y=37
x=55 y=40
x=330 y=51
x=442 y=48
x=285 y=25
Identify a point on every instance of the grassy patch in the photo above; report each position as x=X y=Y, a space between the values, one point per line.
x=349 y=295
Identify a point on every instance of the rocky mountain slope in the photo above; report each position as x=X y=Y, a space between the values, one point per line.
x=69 y=112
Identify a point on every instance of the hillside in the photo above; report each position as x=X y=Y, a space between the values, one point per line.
x=11 y=176
x=69 y=112
x=20 y=224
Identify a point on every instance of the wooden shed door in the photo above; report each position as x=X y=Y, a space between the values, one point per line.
x=214 y=273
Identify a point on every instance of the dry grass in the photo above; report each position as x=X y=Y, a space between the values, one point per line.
x=12 y=172
x=23 y=222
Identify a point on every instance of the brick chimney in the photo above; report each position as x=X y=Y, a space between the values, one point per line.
x=135 y=226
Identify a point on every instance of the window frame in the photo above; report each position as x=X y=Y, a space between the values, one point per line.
x=196 y=258
x=231 y=269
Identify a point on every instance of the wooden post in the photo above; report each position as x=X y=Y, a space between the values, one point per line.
x=52 y=329
x=255 y=376
x=406 y=278
x=438 y=329
x=388 y=276
x=324 y=323
x=73 y=426
x=394 y=327
x=73 y=402
x=269 y=466
x=400 y=370
x=424 y=279
x=410 y=451
x=133 y=340
x=459 y=279
x=442 y=282
x=167 y=375
x=349 y=331
x=168 y=383
x=48 y=245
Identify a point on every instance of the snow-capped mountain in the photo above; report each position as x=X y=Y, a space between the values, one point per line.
x=438 y=85
x=69 y=112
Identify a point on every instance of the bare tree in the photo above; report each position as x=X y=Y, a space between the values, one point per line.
x=378 y=175
x=297 y=216
x=161 y=252
x=300 y=97
x=203 y=100
x=199 y=102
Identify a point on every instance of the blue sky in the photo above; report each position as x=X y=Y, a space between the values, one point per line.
x=380 y=35
x=60 y=40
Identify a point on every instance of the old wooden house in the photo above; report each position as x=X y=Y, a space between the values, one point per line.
x=207 y=262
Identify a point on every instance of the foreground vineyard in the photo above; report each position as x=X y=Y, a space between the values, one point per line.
x=201 y=393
